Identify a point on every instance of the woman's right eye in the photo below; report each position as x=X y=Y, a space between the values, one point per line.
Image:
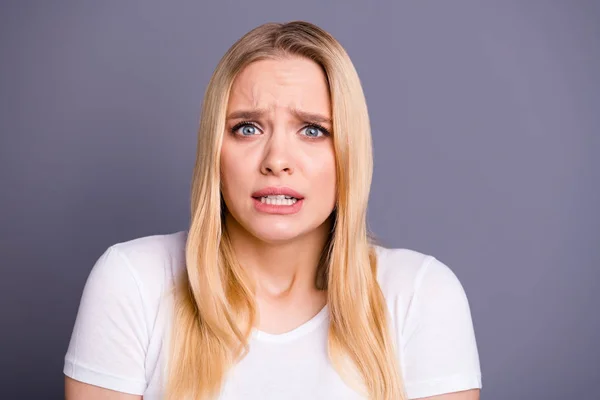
x=245 y=129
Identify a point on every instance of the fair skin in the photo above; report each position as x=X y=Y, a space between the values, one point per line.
x=280 y=101
x=279 y=144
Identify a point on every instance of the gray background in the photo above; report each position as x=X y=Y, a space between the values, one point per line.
x=485 y=120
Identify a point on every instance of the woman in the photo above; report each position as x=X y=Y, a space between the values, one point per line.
x=276 y=291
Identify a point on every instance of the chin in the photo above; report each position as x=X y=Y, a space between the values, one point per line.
x=275 y=233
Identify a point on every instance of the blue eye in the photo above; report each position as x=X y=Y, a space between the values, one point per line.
x=248 y=130
x=245 y=129
x=314 y=131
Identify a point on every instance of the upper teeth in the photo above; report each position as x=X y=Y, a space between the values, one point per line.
x=279 y=196
x=280 y=200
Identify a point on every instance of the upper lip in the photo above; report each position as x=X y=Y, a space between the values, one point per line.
x=274 y=191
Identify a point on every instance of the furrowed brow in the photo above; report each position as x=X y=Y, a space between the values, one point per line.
x=310 y=117
x=299 y=114
x=246 y=114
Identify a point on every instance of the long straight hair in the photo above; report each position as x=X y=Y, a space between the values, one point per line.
x=215 y=309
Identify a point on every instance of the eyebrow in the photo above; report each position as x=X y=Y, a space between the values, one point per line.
x=299 y=114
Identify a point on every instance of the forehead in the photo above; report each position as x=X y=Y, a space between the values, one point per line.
x=288 y=82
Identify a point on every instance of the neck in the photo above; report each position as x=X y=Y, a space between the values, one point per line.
x=282 y=271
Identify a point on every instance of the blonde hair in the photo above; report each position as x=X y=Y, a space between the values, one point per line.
x=214 y=304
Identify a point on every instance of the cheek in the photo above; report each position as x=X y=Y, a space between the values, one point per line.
x=229 y=171
x=323 y=173
x=238 y=166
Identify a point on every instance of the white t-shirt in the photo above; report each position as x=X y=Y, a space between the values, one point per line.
x=120 y=338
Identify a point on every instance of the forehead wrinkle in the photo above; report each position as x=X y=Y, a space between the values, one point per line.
x=293 y=108
x=255 y=95
x=294 y=112
x=255 y=101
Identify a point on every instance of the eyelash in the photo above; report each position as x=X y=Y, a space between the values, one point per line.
x=310 y=125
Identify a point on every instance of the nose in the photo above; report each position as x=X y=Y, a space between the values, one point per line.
x=277 y=156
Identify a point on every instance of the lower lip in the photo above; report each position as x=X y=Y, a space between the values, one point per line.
x=276 y=209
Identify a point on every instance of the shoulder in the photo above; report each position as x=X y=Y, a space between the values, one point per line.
x=405 y=275
x=399 y=266
x=432 y=322
x=153 y=258
x=146 y=265
x=119 y=321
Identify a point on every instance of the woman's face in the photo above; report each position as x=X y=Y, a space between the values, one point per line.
x=277 y=161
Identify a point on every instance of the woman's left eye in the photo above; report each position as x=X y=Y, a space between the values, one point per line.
x=315 y=131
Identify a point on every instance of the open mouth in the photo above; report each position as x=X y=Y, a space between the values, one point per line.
x=277 y=200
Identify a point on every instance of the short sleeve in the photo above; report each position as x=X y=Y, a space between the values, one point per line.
x=439 y=346
x=109 y=339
